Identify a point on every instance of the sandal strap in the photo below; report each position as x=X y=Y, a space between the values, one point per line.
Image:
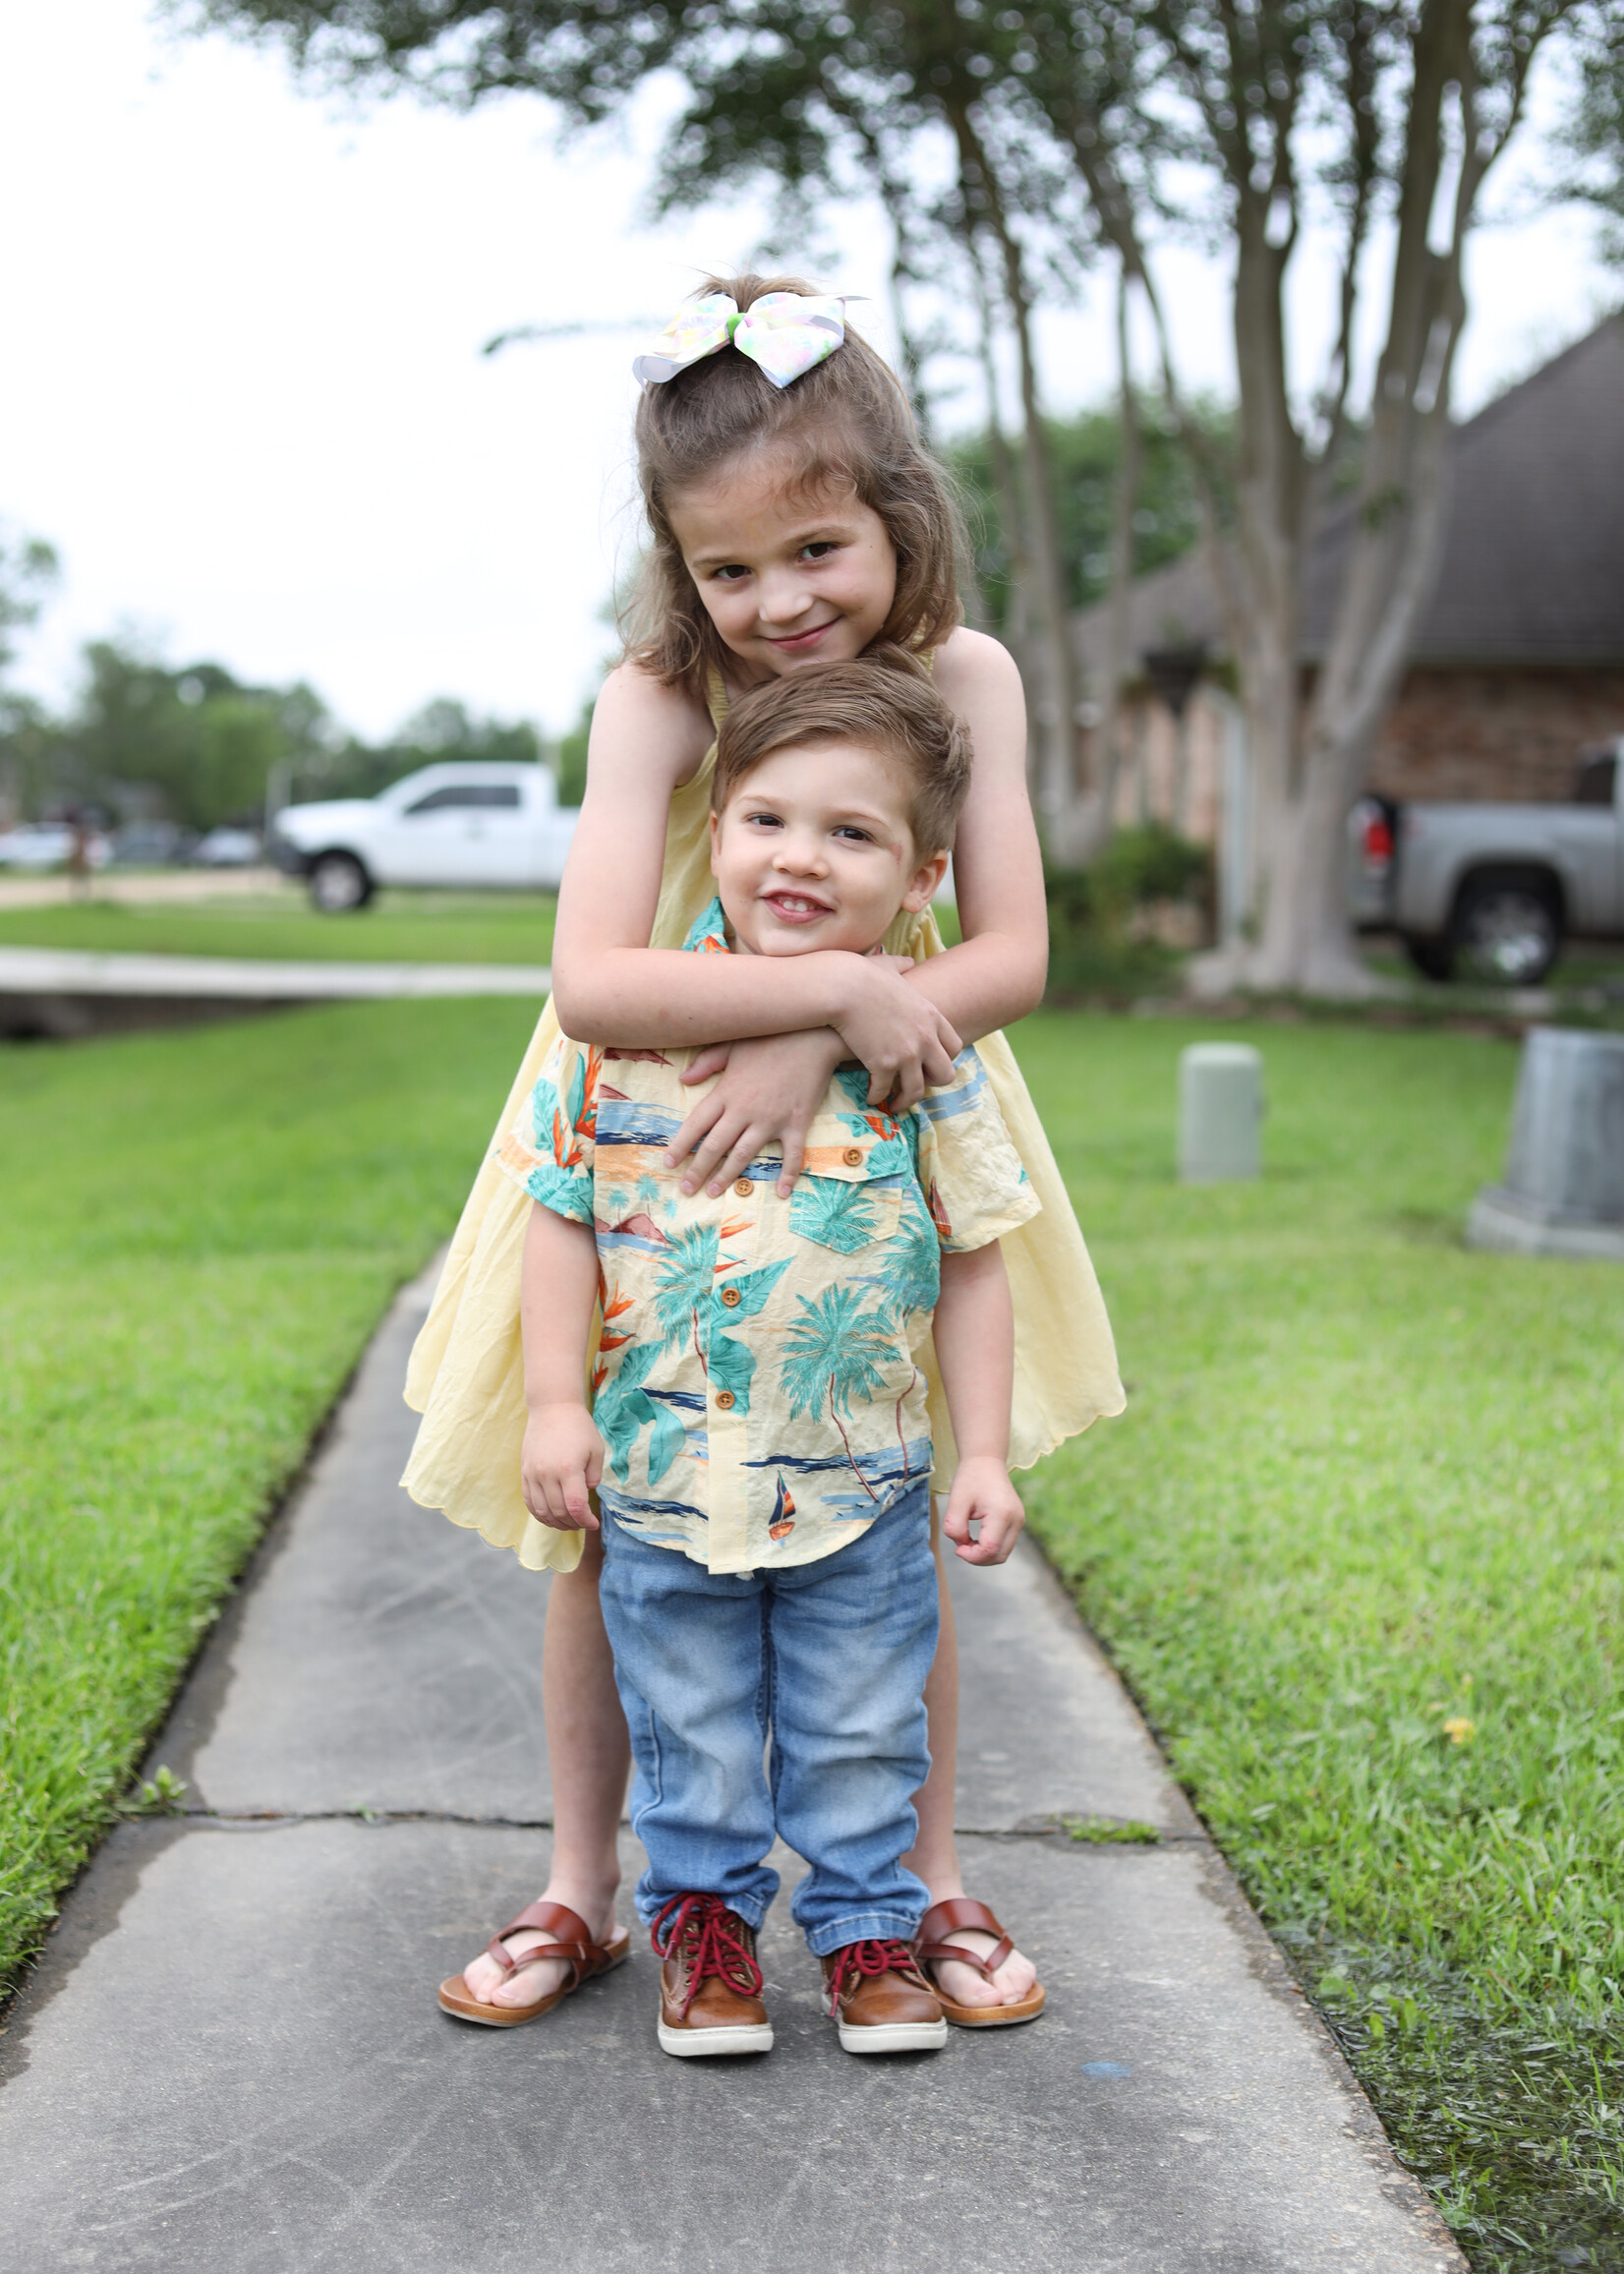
x=572 y=1940
x=956 y=1915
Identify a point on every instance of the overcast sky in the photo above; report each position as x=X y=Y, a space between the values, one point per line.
x=242 y=389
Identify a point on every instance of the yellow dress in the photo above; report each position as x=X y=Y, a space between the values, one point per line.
x=466 y=1377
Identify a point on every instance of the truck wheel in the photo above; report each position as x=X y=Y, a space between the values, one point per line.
x=338 y=884
x=1433 y=958
x=1507 y=931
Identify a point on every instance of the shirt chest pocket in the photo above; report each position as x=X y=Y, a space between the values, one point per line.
x=849 y=1196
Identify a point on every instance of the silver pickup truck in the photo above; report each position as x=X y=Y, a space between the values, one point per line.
x=1491 y=892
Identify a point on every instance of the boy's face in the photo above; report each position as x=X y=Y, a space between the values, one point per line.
x=813 y=849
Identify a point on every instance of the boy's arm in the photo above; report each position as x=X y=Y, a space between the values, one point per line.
x=564 y=1455
x=974 y=1335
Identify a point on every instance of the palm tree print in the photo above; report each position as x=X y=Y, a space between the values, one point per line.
x=624 y=1409
x=910 y=1284
x=834 y=1213
x=838 y=1351
x=912 y=1267
x=682 y=1287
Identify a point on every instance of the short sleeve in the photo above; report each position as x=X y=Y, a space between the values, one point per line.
x=550 y=1148
x=969 y=1170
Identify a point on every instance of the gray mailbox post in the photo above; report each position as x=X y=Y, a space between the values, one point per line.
x=1563 y=1193
x=1220 y=1112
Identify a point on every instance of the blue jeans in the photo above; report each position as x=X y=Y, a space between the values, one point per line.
x=828 y=1661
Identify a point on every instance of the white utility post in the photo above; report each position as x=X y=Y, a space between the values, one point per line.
x=1563 y=1193
x=1220 y=1113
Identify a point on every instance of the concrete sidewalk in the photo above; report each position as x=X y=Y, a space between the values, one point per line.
x=67 y=993
x=251 y=980
x=230 y=2058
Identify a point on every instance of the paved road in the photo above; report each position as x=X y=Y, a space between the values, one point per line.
x=230 y=2061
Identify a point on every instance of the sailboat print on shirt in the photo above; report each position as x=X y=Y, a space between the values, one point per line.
x=784 y=1513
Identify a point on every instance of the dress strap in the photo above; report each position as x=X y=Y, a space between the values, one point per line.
x=716 y=697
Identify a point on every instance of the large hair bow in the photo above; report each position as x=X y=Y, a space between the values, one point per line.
x=784 y=333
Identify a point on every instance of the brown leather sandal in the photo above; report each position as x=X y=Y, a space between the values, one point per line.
x=574 y=1942
x=952 y=1917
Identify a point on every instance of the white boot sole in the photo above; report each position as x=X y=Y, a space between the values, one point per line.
x=705 y=2044
x=895 y=2037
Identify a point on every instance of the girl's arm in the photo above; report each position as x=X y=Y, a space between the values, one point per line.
x=997 y=975
x=611 y=987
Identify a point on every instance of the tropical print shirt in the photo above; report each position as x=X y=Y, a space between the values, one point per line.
x=756 y=1385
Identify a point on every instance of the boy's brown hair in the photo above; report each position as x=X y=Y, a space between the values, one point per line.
x=845 y=426
x=885 y=699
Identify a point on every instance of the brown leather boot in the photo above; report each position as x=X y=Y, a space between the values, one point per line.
x=881 y=2001
x=710 y=1985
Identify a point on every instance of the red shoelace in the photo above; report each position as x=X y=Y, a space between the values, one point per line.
x=705 y=1934
x=872 y=1958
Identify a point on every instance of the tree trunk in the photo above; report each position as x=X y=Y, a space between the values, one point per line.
x=1012 y=513
x=1057 y=705
x=1394 y=551
x=1119 y=629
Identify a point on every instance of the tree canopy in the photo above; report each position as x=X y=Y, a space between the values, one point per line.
x=192 y=744
x=1012 y=146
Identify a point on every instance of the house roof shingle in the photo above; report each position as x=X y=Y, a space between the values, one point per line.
x=1533 y=570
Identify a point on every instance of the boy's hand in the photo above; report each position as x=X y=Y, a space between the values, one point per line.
x=564 y=1458
x=982 y=1493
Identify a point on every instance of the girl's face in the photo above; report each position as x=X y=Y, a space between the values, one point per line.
x=787 y=579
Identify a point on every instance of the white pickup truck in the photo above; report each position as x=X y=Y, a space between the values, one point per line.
x=1491 y=892
x=460 y=822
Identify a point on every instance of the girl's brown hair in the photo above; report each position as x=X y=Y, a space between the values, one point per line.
x=885 y=699
x=845 y=425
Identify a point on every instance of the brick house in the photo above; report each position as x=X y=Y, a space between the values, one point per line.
x=1519 y=660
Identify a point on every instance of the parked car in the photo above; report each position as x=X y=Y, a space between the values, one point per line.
x=152 y=844
x=46 y=844
x=456 y=822
x=1491 y=892
x=227 y=846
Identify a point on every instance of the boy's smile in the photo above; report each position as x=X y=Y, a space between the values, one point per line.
x=813 y=850
x=786 y=578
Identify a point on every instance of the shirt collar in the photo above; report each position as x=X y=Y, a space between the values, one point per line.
x=708 y=935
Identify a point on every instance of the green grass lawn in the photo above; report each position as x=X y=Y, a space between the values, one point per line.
x=1356 y=1543
x=199 y=1233
x=398 y=927
x=1357 y=1546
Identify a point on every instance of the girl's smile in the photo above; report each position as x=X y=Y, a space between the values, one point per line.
x=786 y=578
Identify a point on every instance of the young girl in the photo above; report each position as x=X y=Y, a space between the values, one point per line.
x=794 y=519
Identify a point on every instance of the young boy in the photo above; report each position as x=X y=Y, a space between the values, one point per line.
x=758 y=1435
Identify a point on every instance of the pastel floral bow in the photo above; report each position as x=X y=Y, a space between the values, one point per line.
x=784 y=333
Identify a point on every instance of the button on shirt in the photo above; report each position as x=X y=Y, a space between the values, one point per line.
x=756 y=1385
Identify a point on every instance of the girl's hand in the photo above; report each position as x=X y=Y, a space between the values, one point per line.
x=770 y=1086
x=562 y=1460
x=899 y=1035
x=983 y=1493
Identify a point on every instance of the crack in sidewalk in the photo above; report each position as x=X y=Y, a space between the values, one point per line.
x=1079 y=1832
